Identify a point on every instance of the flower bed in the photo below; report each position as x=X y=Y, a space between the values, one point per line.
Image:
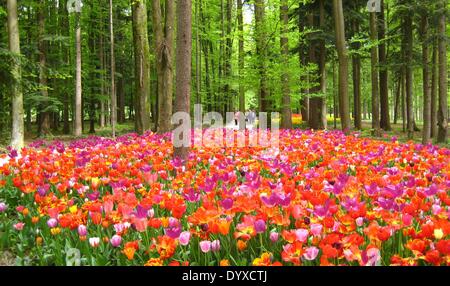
x=323 y=199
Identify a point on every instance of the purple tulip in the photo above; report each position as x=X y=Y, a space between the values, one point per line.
x=227 y=203
x=260 y=226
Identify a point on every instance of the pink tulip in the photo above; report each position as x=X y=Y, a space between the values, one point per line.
x=316 y=229
x=302 y=234
x=205 y=246
x=311 y=253
x=372 y=257
x=52 y=223
x=436 y=209
x=407 y=219
x=82 y=230
x=184 y=238
x=116 y=240
x=360 y=221
x=19 y=226
x=3 y=207
x=274 y=236
x=215 y=245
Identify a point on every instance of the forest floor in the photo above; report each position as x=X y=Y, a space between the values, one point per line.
x=128 y=127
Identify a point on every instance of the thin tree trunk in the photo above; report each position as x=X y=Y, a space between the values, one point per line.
x=44 y=128
x=304 y=102
x=113 y=73
x=384 y=87
x=17 y=131
x=240 y=15
x=183 y=65
x=356 y=63
x=163 y=31
x=343 y=65
x=142 y=67
x=261 y=50
x=443 y=77
x=397 y=99
x=426 y=81
x=286 y=116
x=434 y=90
x=78 y=116
x=374 y=72
x=409 y=75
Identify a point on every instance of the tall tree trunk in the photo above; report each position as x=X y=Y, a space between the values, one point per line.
x=426 y=81
x=443 y=76
x=227 y=58
x=397 y=98
x=434 y=90
x=302 y=55
x=206 y=54
x=286 y=116
x=113 y=72
x=343 y=65
x=163 y=30
x=384 y=87
x=44 y=128
x=65 y=59
x=409 y=74
x=101 y=56
x=183 y=66
x=322 y=101
x=142 y=67
x=17 y=131
x=356 y=64
x=240 y=16
x=261 y=50
x=78 y=114
x=121 y=94
x=374 y=72
x=198 y=56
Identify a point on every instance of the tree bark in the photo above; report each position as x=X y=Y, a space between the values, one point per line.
x=17 y=131
x=384 y=87
x=240 y=16
x=113 y=72
x=78 y=114
x=356 y=64
x=183 y=66
x=409 y=74
x=261 y=50
x=426 y=132
x=302 y=55
x=343 y=65
x=286 y=116
x=374 y=72
x=434 y=90
x=443 y=77
x=142 y=67
x=44 y=128
x=163 y=31
x=397 y=98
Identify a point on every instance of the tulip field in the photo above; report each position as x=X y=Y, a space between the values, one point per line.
x=323 y=198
